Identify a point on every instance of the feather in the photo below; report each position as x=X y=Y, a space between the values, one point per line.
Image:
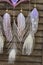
x=1 y=36
x=14 y=33
x=28 y=45
x=34 y=17
x=7 y=26
x=21 y=25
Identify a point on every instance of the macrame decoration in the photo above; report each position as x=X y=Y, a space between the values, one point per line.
x=25 y=28
x=7 y=26
x=1 y=36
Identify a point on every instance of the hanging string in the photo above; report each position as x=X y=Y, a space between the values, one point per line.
x=35 y=4
x=13 y=14
x=27 y=20
x=21 y=8
x=6 y=8
x=29 y=7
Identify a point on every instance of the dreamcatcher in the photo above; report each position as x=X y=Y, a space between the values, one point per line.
x=25 y=29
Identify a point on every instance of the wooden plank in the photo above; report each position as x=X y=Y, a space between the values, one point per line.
x=23 y=59
x=42 y=51
x=17 y=63
x=30 y=58
x=38 y=46
x=38 y=1
x=42 y=54
x=41 y=20
x=34 y=53
x=39 y=40
x=40 y=27
x=39 y=33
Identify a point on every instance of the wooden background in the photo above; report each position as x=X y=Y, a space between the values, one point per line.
x=36 y=58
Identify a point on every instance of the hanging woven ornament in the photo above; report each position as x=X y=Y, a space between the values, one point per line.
x=15 y=34
x=7 y=26
x=29 y=41
x=21 y=25
x=34 y=17
x=12 y=46
x=1 y=36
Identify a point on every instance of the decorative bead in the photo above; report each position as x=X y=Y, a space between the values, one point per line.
x=14 y=1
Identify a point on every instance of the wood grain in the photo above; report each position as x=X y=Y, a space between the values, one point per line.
x=36 y=58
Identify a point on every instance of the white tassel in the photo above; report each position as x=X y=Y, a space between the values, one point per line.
x=12 y=53
x=21 y=25
x=28 y=45
x=12 y=56
x=34 y=16
x=7 y=26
